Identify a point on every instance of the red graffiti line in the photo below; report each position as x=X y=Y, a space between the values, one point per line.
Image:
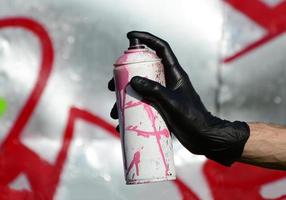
x=13 y=154
x=272 y=19
x=240 y=181
x=16 y=158
x=47 y=55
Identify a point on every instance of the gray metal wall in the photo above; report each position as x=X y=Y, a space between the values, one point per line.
x=87 y=37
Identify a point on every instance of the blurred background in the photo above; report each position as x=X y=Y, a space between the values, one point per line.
x=57 y=140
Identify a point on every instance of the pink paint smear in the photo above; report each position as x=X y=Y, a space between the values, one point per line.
x=122 y=84
x=156 y=133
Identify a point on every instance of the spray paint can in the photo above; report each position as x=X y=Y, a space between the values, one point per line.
x=146 y=141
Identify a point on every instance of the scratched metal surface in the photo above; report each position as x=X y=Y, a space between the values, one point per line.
x=88 y=36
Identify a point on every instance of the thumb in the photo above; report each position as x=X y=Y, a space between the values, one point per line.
x=150 y=90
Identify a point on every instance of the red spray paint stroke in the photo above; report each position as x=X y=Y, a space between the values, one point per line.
x=186 y=192
x=44 y=73
x=13 y=154
x=273 y=20
x=283 y=197
x=239 y=179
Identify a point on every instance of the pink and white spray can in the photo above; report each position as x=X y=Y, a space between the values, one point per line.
x=146 y=141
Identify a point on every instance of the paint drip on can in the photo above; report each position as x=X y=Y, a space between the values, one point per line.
x=146 y=141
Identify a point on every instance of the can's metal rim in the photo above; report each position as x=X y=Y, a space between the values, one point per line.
x=130 y=64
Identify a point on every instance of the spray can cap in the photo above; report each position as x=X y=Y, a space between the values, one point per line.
x=135 y=43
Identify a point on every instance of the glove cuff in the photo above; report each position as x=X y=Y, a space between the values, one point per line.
x=236 y=135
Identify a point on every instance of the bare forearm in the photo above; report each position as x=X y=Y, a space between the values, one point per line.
x=266 y=146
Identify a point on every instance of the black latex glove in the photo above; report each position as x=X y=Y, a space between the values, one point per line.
x=183 y=111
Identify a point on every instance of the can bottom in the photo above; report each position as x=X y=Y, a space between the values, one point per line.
x=142 y=181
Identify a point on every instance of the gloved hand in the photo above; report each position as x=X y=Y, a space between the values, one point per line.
x=183 y=111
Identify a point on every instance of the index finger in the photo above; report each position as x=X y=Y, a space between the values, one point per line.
x=173 y=71
x=161 y=47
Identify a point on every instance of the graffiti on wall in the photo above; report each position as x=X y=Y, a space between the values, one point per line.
x=270 y=18
x=44 y=178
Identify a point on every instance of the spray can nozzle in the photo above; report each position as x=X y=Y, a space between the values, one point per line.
x=135 y=43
